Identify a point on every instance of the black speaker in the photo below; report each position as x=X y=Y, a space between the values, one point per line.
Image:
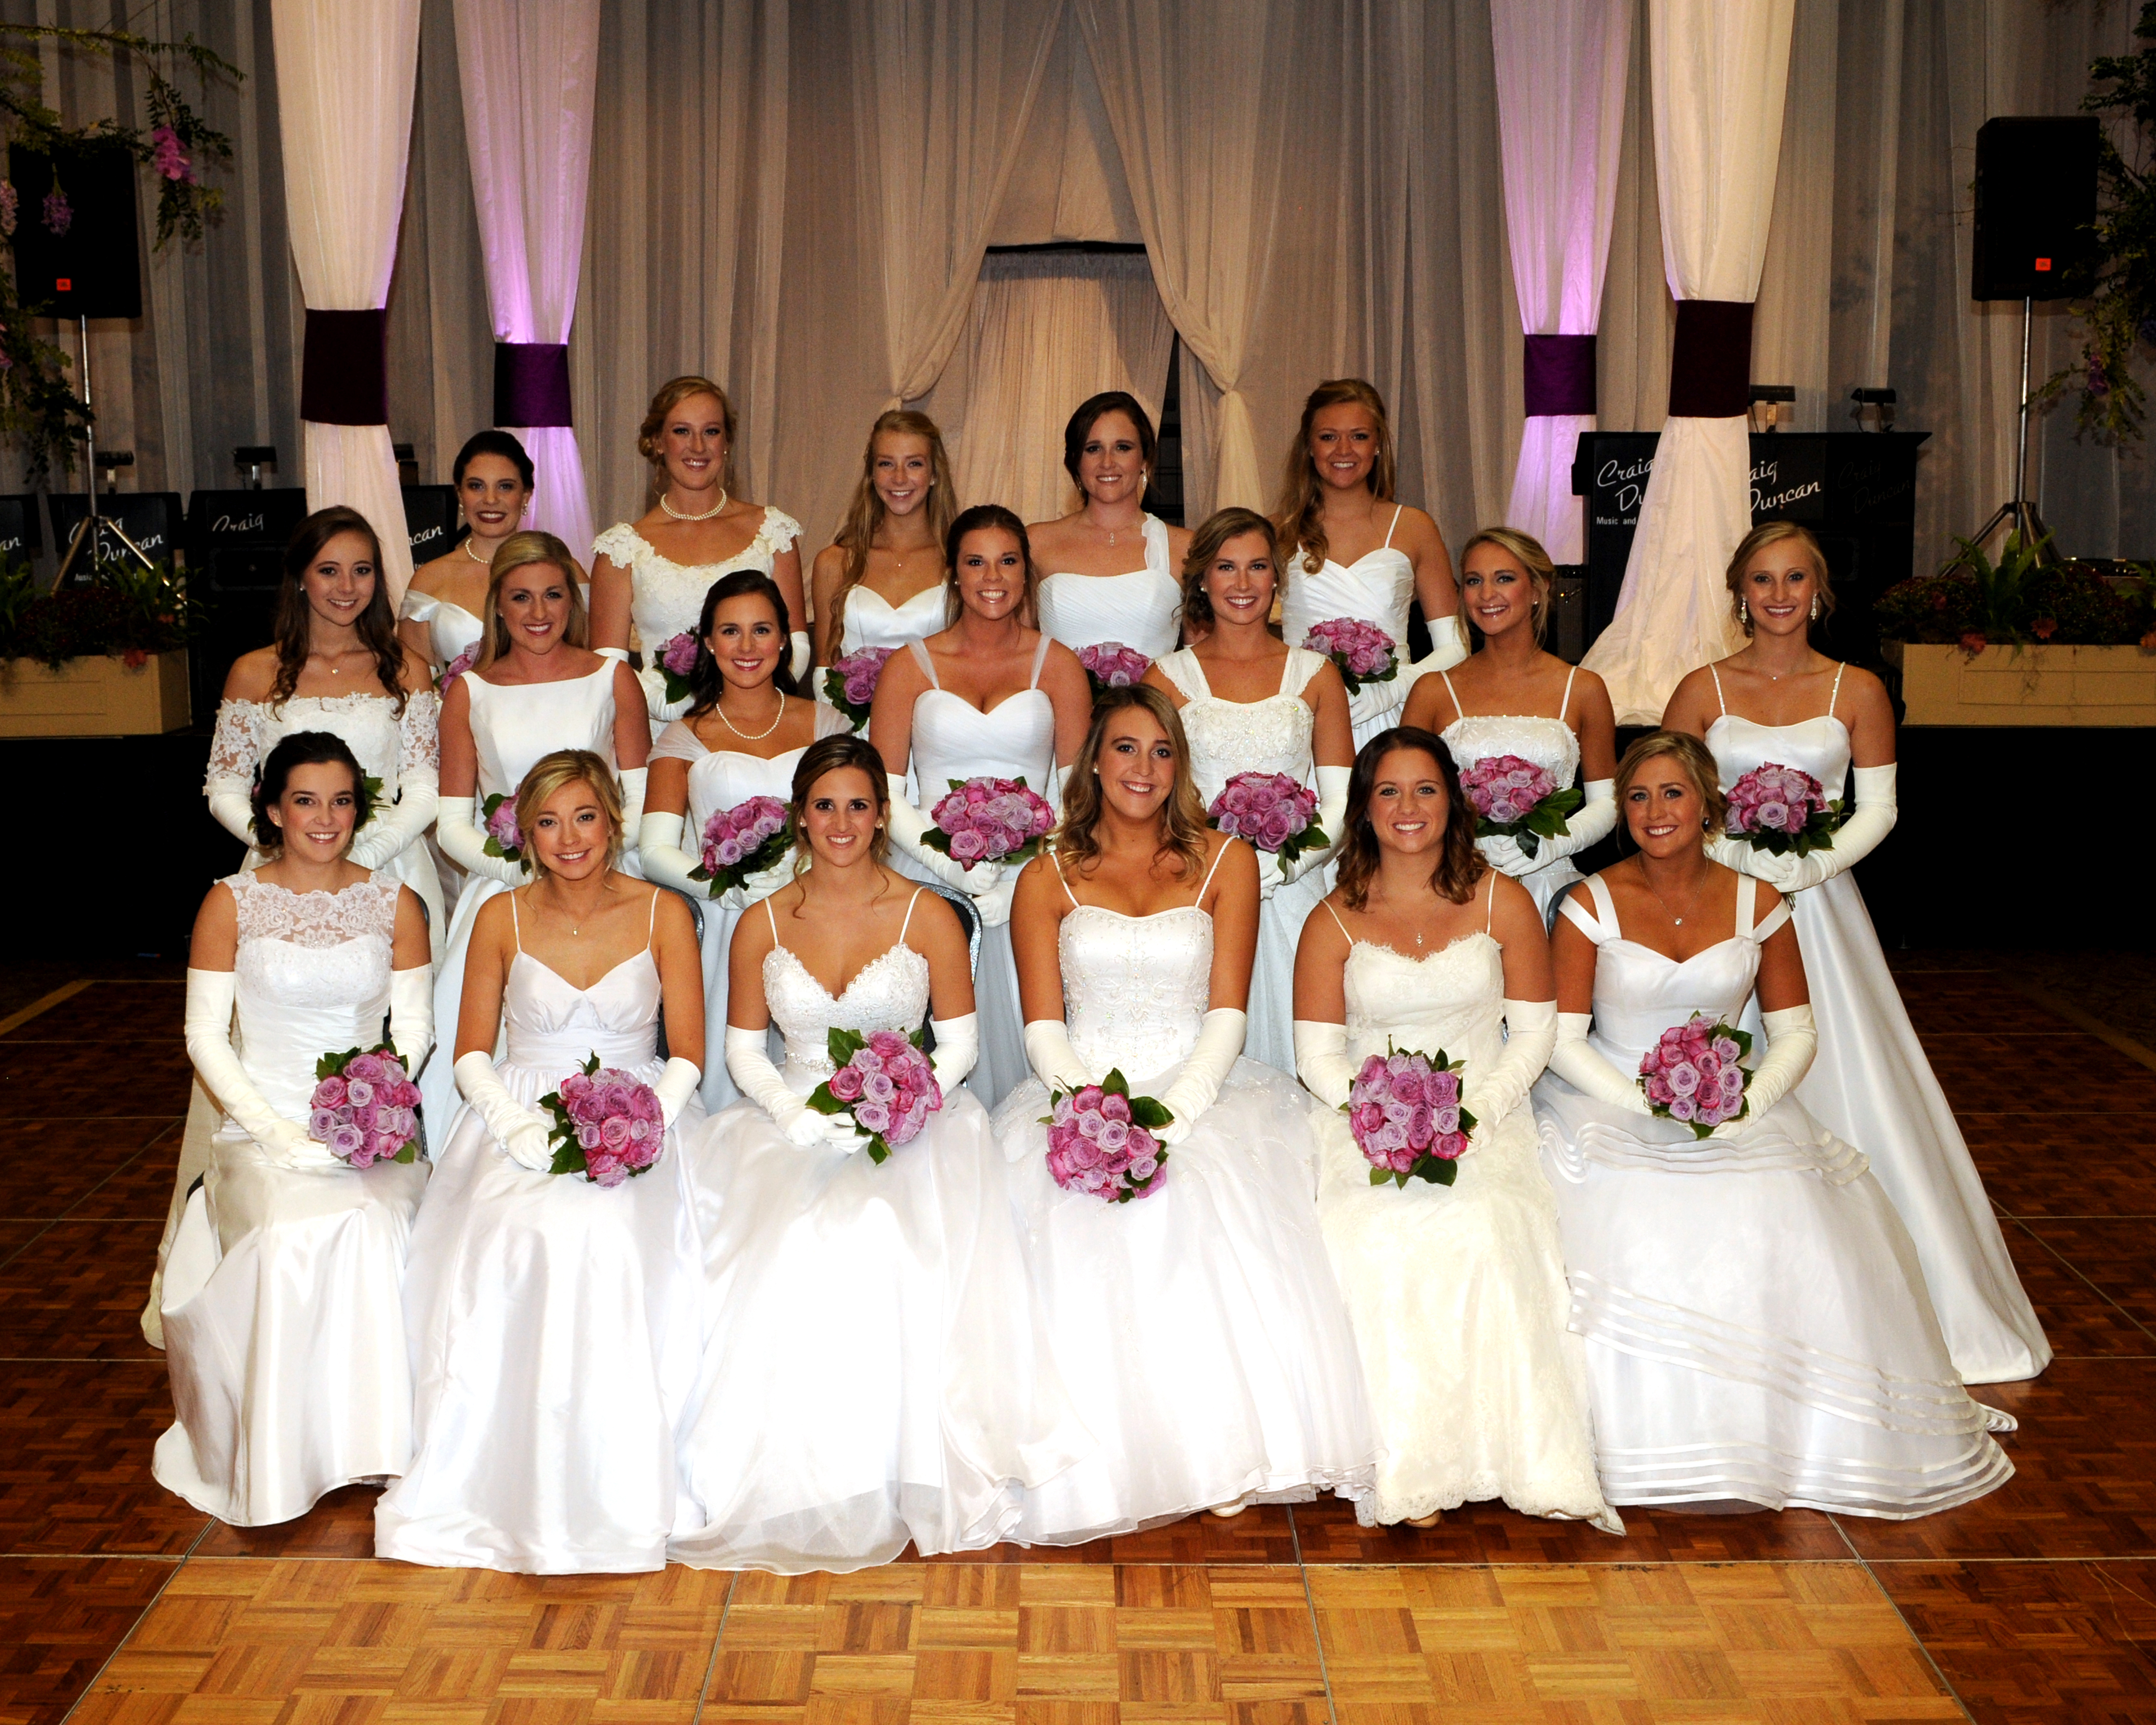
x=236 y=563
x=2036 y=200
x=151 y=519
x=21 y=534
x=93 y=269
x=430 y=517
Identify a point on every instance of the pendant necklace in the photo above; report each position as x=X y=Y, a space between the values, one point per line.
x=744 y=736
x=666 y=504
x=1675 y=920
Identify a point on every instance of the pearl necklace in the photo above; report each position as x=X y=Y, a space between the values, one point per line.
x=472 y=554
x=719 y=709
x=718 y=508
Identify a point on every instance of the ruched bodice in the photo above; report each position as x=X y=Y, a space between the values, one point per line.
x=871 y=620
x=1640 y=993
x=514 y=725
x=551 y=1026
x=450 y=628
x=1138 y=609
x=1231 y=737
x=1377 y=587
x=889 y=993
x=1452 y=998
x=954 y=739
x=312 y=978
x=1135 y=989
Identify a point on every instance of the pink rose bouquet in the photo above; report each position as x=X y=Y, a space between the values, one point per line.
x=607 y=1124
x=1100 y=1140
x=1272 y=812
x=1109 y=665
x=498 y=819
x=1695 y=1073
x=457 y=667
x=365 y=1107
x=1513 y=798
x=885 y=1081
x=1403 y=1110
x=746 y=840
x=1783 y=810
x=989 y=820
x=850 y=683
x=1363 y=652
x=677 y=658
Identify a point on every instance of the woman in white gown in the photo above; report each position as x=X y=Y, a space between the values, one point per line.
x=742 y=737
x=439 y=618
x=1781 y=701
x=1198 y=1329
x=989 y=696
x=1348 y=550
x=282 y=1328
x=1510 y=697
x=1758 y=1330
x=652 y=575
x=335 y=665
x=536 y=688
x=1092 y=593
x=874 y=1370
x=1457 y=1293
x=1251 y=705
x=880 y=582
x=554 y=1323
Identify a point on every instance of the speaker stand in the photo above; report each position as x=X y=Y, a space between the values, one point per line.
x=86 y=529
x=2019 y=511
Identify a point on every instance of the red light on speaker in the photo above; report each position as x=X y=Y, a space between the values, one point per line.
x=2043 y=263
x=64 y=284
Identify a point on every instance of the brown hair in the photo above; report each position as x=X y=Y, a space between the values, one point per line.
x=1758 y=540
x=520 y=551
x=1214 y=532
x=1182 y=821
x=1300 y=514
x=1089 y=413
x=984 y=518
x=865 y=513
x=303 y=748
x=377 y=627
x=550 y=774
x=1527 y=551
x=1693 y=761
x=1460 y=865
x=707 y=684
x=671 y=394
x=833 y=754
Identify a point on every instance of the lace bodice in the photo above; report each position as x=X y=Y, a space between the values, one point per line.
x=889 y=993
x=1231 y=737
x=1453 y=999
x=450 y=628
x=312 y=977
x=1138 y=609
x=724 y=779
x=954 y=739
x=871 y=620
x=666 y=597
x=1377 y=587
x=396 y=750
x=513 y=725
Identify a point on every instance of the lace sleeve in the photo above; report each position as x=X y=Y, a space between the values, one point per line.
x=235 y=750
x=419 y=734
x=619 y=543
x=677 y=742
x=779 y=529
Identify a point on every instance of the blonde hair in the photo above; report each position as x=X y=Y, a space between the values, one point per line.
x=671 y=394
x=1758 y=540
x=554 y=773
x=857 y=531
x=1214 y=532
x=1300 y=514
x=1527 y=551
x=520 y=551
x=1693 y=761
x=1183 y=820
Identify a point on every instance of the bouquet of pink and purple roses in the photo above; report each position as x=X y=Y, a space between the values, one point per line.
x=850 y=683
x=676 y=659
x=1271 y=811
x=1109 y=665
x=1100 y=1140
x=1513 y=798
x=753 y=836
x=1783 y=810
x=364 y=1108
x=1403 y=1110
x=1363 y=652
x=498 y=819
x=885 y=1081
x=457 y=667
x=1695 y=1073
x=609 y=1124
x=989 y=820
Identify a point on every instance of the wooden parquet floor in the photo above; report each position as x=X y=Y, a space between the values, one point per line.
x=120 y=1605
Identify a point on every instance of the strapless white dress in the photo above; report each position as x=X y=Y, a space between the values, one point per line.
x=450 y=628
x=283 y=1332
x=875 y=1365
x=871 y=620
x=1377 y=587
x=1758 y=1329
x=1141 y=608
x=1550 y=744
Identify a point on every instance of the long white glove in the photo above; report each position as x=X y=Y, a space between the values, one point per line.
x=522 y=1132
x=234 y=811
x=393 y=825
x=411 y=1015
x=659 y=846
x=801 y=656
x=749 y=1065
x=677 y=1082
x=1054 y=1061
x=1577 y=1063
x=1332 y=784
x=1595 y=821
x=208 y=1027
x=1448 y=645
x=1530 y=1036
x=1792 y=1040
x=456 y=830
x=958 y=1048
x=1321 y=1061
x=631 y=806
x=1206 y=1068
x=1877 y=809
x=993 y=906
x=907 y=826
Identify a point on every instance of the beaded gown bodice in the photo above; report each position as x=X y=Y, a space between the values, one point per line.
x=1231 y=737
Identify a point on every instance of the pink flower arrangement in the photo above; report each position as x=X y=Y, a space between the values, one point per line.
x=989 y=820
x=169 y=155
x=1695 y=1073
x=1514 y=799
x=677 y=658
x=365 y=1107
x=59 y=214
x=1404 y=1111
x=850 y=683
x=457 y=666
x=1109 y=665
x=753 y=836
x=498 y=817
x=885 y=1081
x=1363 y=652
x=1784 y=810
x=1100 y=1140
x=1271 y=811
x=607 y=1124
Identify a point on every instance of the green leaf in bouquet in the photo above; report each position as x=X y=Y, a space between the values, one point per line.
x=370 y=799
x=842 y=1046
x=1384 y=1176
x=1436 y=1170
x=1151 y=1115
x=569 y=1158
x=409 y=1153
x=1311 y=838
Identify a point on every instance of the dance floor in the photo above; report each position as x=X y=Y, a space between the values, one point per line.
x=119 y=1603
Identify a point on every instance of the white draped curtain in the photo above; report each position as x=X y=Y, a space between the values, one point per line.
x=1560 y=69
x=529 y=75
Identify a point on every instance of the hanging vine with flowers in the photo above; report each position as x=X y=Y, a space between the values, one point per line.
x=39 y=409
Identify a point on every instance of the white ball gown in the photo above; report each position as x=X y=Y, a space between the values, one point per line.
x=1550 y=744
x=1140 y=608
x=1269 y=736
x=666 y=597
x=554 y=1325
x=1476 y=1388
x=1198 y=1331
x=869 y=620
x=450 y=628
x=282 y=1331
x=1015 y=739
x=1872 y=1085
x=723 y=778
x=1757 y=1326
x=875 y=1368
x=1377 y=587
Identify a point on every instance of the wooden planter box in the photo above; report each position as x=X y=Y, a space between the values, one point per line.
x=2025 y=686
x=93 y=697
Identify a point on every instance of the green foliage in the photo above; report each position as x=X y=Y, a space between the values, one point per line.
x=1976 y=603
x=132 y=612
